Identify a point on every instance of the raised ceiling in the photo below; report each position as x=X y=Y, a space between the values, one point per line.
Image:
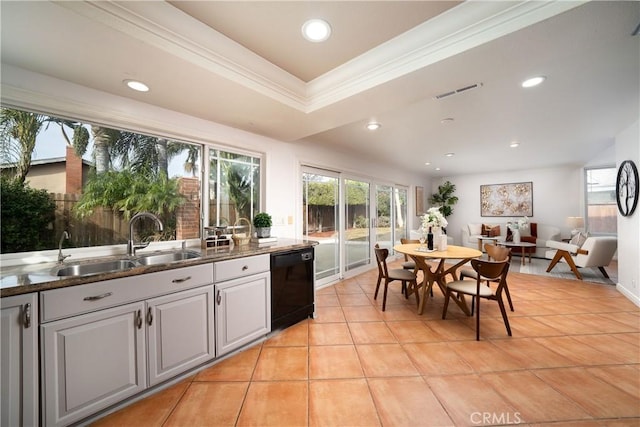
x=245 y=64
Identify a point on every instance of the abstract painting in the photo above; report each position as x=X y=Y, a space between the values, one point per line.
x=515 y=199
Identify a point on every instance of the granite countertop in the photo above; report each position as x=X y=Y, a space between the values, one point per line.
x=41 y=277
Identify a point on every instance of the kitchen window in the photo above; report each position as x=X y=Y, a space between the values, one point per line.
x=89 y=179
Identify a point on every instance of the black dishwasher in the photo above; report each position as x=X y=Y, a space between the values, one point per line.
x=292 y=287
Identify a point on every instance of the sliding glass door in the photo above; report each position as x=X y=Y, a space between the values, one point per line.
x=347 y=216
x=320 y=202
x=358 y=224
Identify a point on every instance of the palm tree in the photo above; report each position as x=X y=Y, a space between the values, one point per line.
x=23 y=127
x=80 y=138
x=103 y=139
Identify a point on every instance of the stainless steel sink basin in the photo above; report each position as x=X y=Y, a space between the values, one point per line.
x=167 y=257
x=95 y=268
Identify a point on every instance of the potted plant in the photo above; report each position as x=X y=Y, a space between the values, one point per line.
x=262 y=223
x=444 y=199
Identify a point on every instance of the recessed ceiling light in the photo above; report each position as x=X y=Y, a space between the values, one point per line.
x=450 y=154
x=533 y=81
x=514 y=144
x=316 y=30
x=437 y=169
x=136 y=85
x=373 y=125
x=427 y=163
x=447 y=120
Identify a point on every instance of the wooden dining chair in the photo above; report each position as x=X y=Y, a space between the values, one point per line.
x=406 y=277
x=496 y=253
x=495 y=271
x=408 y=264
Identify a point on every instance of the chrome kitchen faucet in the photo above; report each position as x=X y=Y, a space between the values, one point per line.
x=131 y=246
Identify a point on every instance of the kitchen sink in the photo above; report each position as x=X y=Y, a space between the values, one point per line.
x=166 y=257
x=95 y=268
x=154 y=258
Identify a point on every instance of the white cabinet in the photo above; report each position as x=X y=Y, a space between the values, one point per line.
x=94 y=359
x=180 y=332
x=243 y=304
x=19 y=369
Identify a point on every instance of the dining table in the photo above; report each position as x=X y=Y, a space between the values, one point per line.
x=436 y=273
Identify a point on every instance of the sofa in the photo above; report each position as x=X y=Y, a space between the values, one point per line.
x=535 y=233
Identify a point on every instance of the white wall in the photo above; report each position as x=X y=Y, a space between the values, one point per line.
x=628 y=148
x=283 y=194
x=556 y=195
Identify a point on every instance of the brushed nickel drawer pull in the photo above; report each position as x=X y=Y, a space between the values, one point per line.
x=97 y=297
x=138 y=319
x=149 y=317
x=219 y=298
x=184 y=279
x=245 y=268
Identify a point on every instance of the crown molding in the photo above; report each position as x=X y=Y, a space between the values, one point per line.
x=464 y=27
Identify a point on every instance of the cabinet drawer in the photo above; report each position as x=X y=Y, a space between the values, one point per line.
x=232 y=269
x=64 y=302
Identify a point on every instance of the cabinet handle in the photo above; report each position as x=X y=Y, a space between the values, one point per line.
x=219 y=298
x=245 y=267
x=184 y=279
x=149 y=317
x=27 y=315
x=97 y=297
x=139 y=319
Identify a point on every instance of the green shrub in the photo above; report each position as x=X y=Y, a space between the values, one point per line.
x=27 y=217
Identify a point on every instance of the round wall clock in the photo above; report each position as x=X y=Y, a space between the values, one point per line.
x=627 y=188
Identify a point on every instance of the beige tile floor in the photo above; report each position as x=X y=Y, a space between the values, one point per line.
x=573 y=360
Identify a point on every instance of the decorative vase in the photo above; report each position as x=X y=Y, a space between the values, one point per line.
x=516 y=236
x=437 y=232
x=263 y=232
x=430 y=240
x=443 y=242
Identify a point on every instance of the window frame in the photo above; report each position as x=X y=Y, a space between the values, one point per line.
x=587 y=221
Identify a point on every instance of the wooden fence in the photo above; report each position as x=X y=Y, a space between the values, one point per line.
x=104 y=227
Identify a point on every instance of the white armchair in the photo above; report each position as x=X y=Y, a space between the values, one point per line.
x=596 y=251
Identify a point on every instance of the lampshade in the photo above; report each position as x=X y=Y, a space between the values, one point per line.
x=575 y=222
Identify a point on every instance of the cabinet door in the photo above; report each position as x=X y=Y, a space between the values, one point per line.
x=180 y=332
x=243 y=311
x=92 y=361
x=19 y=373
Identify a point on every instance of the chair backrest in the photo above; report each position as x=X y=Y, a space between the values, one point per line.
x=406 y=242
x=381 y=260
x=491 y=270
x=600 y=251
x=498 y=253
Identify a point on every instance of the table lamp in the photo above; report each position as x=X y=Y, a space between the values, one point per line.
x=576 y=223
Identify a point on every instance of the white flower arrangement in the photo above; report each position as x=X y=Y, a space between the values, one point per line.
x=521 y=223
x=434 y=219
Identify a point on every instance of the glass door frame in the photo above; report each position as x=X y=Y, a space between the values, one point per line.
x=372 y=220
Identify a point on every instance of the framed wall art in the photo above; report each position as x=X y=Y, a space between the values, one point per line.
x=515 y=199
x=419 y=201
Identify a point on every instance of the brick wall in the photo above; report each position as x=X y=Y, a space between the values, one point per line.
x=73 y=184
x=188 y=215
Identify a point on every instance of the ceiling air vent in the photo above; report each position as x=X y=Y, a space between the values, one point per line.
x=457 y=91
